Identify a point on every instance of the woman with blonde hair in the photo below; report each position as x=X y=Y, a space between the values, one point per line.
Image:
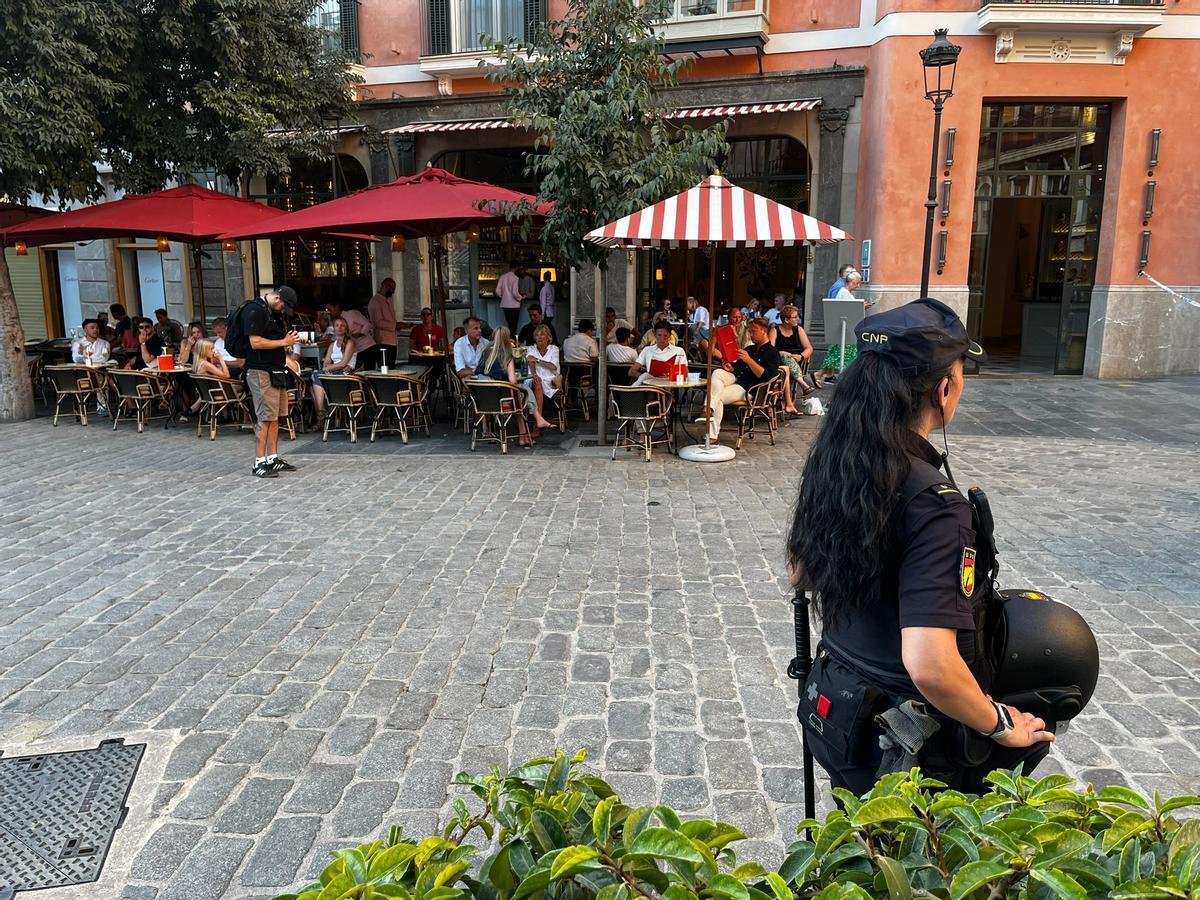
x=795 y=349
x=206 y=360
x=340 y=358
x=498 y=364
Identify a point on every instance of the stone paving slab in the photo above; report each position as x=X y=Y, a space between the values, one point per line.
x=320 y=653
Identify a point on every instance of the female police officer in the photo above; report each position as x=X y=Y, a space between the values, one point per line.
x=885 y=541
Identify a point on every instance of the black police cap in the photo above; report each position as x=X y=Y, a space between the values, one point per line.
x=923 y=336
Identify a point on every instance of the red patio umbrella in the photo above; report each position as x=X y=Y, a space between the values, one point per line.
x=714 y=213
x=190 y=213
x=429 y=204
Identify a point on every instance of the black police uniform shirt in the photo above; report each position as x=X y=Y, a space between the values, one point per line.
x=921 y=584
x=767 y=356
x=259 y=319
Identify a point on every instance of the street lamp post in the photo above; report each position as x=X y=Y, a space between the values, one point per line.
x=939 y=60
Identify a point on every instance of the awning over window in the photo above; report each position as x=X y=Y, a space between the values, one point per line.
x=687 y=112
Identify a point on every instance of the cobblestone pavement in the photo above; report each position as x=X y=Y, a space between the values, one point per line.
x=320 y=653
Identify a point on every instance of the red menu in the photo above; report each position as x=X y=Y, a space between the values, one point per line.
x=662 y=368
x=727 y=343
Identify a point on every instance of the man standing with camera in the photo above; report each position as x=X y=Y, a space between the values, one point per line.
x=266 y=374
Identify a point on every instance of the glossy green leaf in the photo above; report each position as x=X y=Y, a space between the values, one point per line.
x=727 y=886
x=1115 y=793
x=662 y=843
x=573 y=859
x=1129 y=863
x=975 y=875
x=1123 y=828
x=882 y=809
x=1186 y=837
x=898 y=885
x=837 y=829
x=602 y=820
x=1179 y=803
x=1059 y=883
x=637 y=820
x=392 y=859
x=778 y=886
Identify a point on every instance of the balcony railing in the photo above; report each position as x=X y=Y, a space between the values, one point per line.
x=457 y=26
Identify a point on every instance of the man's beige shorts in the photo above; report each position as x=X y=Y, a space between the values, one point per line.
x=270 y=403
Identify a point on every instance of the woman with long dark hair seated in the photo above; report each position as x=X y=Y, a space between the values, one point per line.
x=884 y=540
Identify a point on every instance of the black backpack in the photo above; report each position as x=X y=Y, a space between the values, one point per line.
x=237 y=342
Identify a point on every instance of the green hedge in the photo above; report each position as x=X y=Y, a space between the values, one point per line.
x=549 y=829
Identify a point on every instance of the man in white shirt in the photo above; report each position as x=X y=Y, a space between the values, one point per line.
x=468 y=349
x=220 y=329
x=655 y=360
x=774 y=315
x=612 y=323
x=90 y=349
x=697 y=317
x=581 y=347
x=621 y=356
x=508 y=289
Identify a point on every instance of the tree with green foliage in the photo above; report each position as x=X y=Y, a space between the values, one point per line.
x=158 y=90
x=590 y=89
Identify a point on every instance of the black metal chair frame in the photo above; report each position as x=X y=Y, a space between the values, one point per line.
x=580 y=382
x=759 y=412
x=79 y=384
x=639 y=411
x=496 y=404
x=401 y=402
x=142 y=390
x=217 y=396
x=346 y=397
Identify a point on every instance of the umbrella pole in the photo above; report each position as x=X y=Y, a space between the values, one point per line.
x=602 y=386
x=712 y=328
x=199 y=282
x=438 y=250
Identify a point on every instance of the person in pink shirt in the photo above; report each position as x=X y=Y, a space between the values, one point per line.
x=508 y=289
x=383 y=317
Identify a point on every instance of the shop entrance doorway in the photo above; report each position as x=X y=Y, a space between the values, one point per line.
x=1038 y=205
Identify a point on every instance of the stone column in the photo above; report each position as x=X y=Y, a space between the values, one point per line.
x=833 y=121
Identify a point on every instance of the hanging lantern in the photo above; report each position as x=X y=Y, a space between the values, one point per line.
x=163 y=244
x=21 y=248
x=473 y=234
x=228 y=246
x=658 y=274
x=398 y=244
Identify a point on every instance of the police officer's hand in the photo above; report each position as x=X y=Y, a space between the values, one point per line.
x=1028 y=730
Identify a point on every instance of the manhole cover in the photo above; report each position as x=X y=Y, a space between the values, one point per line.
x=59 y=811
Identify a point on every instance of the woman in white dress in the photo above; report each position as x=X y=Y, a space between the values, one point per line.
x=546 y=369
x=340 y=358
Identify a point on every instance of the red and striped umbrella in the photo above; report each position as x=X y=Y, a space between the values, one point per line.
x=715 y=213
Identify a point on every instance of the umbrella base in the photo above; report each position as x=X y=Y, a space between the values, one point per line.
x=707 y=454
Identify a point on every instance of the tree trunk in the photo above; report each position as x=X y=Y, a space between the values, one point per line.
x=16 y=390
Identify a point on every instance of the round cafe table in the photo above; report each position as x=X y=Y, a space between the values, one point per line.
x=677 y=390
x=435 y=360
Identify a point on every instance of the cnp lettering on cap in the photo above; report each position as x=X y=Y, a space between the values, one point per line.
x=873 y=338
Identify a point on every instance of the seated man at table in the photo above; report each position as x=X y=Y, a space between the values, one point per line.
x=612 y=323
x=468 y=349
x=169 y=331
x=741 y=331
x=621 y=357
x=581 y=347
x=650 y=337
x=427 y=334
x=655 y=361
x=91 y=349
x=536 y=319
x=756 y=363
x=220 y=329
x=150 y=345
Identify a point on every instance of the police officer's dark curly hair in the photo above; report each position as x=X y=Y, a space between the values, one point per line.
x=841 y=530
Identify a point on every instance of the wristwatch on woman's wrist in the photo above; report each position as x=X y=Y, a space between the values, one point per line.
x=1004 y=723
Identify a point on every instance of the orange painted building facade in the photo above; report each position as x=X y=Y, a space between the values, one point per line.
x=1050 y=206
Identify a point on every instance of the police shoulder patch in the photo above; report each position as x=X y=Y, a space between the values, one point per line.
x=966 y=572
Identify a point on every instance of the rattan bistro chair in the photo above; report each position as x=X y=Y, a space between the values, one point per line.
x=144 y=392
x=642 y=413
x=759 y=412
x=219 y=396
x=580 y=387
x=401 y=402
x=78 y=385
x=346 y=398
x=496 y=406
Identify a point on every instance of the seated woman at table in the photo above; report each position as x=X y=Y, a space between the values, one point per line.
x=206 y=360
x=340 y=358
x=794 y=347
x=546 y=368
x=195 y=334
x=498 y=364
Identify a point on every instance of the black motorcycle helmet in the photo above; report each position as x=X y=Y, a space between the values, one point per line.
x=1047 y=661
